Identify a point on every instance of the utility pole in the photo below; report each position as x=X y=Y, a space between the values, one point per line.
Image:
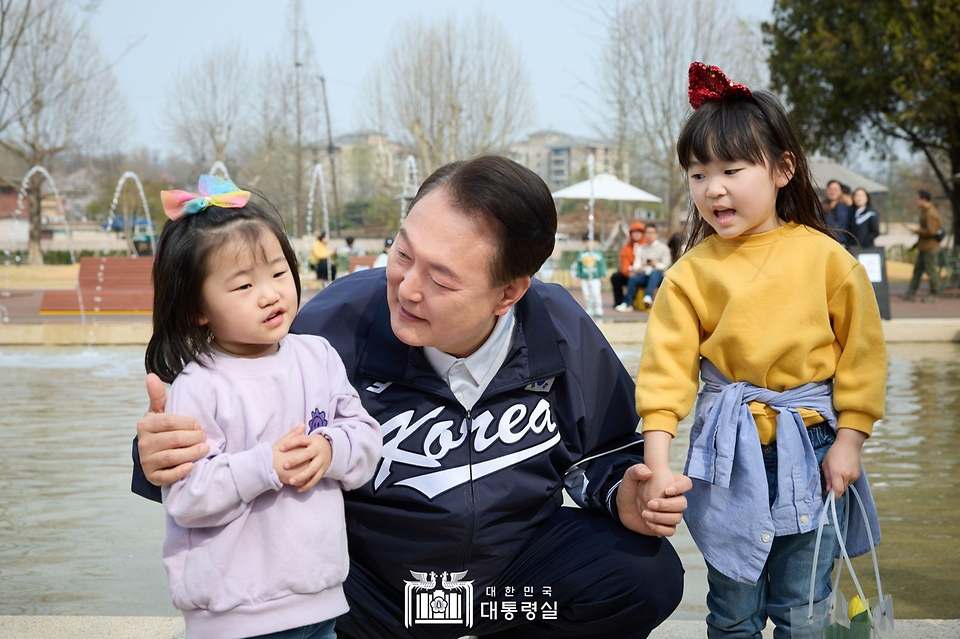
x=330 y=151
x=298 y=181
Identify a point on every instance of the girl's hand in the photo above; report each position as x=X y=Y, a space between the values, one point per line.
x=287 y=459
x=661 y=517
x=841 y=464
x=319 y=446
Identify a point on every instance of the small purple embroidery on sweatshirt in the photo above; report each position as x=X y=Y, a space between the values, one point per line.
x=318 y=419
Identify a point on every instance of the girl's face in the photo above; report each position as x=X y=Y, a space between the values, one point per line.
x=859 y=198
x=249 y=297
x=736 y=198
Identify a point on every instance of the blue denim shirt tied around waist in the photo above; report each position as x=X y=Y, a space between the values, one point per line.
x=729 y=514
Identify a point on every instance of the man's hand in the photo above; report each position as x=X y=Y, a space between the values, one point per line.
x=660 y=516
x=168 y=444
x=305 y=459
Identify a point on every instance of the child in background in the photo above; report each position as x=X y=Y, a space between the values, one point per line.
x=782 y=324
x=591 y=269
x=256 y=538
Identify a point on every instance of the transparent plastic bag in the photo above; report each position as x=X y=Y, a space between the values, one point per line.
x=829 y=619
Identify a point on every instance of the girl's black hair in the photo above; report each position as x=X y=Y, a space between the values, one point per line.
x=181 y=265
x=754 y=130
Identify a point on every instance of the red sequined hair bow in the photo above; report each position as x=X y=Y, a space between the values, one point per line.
x=710 y=83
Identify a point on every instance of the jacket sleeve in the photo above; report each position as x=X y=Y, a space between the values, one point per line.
x=599 y=391
x=220 y=486
x=139 y=484
x=931 y=224
x=873 y=228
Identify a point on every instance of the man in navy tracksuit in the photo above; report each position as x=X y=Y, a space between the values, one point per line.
x=493 y=395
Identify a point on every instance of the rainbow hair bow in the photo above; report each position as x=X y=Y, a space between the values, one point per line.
x=214 y=191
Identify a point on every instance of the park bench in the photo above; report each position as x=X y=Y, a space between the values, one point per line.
x=108 y=286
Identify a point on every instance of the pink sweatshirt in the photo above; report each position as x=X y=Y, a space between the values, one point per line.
x=246 y=555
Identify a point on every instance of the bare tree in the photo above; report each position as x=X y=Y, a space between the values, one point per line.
x=643 y=79
x=207 y=102
x=452 y=89
x=14 y=18
x=70 y=97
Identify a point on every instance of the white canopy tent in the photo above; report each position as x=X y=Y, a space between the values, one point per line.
x=605 y=187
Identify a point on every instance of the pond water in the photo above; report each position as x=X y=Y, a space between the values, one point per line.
x=75 y=541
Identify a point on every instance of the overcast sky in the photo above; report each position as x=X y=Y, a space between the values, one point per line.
x=153 y=41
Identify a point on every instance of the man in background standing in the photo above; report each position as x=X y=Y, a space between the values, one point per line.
x=928 y=247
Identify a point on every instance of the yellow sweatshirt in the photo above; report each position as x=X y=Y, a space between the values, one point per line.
x=778 y=310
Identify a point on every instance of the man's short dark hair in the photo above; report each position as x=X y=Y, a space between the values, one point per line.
x=837 y=182
x=650 y=225
x=349 y=240
x=924 y=195
x=510 y=198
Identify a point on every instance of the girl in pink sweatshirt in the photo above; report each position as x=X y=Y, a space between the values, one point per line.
x=256 y=539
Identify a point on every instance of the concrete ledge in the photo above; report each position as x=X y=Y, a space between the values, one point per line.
x=63 y=627
x=896 y=331
x=922 y=329
x=99 y=334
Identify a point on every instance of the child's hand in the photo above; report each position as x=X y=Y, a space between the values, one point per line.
x=287 y=458
x=639 y=487
x=841 y=464
x=303 y=459
x=319 y=446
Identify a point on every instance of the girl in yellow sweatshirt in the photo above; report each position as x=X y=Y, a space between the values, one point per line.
x=782 y=324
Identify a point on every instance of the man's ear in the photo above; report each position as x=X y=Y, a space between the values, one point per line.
x=788 y=165
x=512 y=293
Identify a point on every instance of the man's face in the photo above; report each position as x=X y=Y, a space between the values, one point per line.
x=439 y=285
x=834 y=192
x=651 y=234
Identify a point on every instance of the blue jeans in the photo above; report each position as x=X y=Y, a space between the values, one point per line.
x=740 y=610
x=322 y=630
x=651 y=282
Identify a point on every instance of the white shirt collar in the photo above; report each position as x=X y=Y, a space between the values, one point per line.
x=469 y=376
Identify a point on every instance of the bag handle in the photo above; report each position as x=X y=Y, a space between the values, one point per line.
x=830 y=507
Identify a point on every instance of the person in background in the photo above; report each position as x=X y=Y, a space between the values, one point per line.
x=846 y=197
x=864 y=221
x=590 y=268
x=836 y=213
x=652 y=260
x=928 y=247
x=620 y=277
x=384 y=254
x=320 y=259
x=350 y=248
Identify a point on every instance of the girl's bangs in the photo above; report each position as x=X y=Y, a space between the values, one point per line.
x=723 y=132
